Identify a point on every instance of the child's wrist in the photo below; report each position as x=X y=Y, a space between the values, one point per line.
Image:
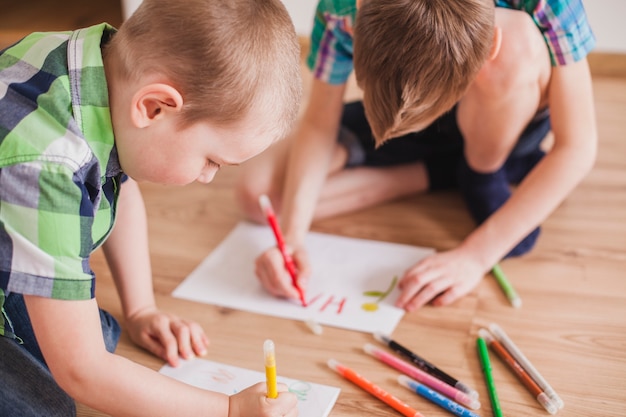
x=473 y=250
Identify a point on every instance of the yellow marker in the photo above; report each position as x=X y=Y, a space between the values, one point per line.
x=270 y=368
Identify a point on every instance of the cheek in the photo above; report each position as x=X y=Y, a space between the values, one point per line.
x=172 y=171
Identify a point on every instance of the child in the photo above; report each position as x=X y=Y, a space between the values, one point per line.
x=180 y=90
x=451 y=90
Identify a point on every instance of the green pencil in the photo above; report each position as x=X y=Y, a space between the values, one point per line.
x=506 y=286
x=485 y=363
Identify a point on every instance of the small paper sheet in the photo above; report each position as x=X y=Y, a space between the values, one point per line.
x=314 y=400
x=346 y=275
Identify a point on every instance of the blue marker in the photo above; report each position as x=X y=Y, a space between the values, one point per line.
x=435 y=397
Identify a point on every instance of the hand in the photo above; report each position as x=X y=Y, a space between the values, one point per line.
x=270 y=270
x=167 y=335
x=440 y=279
x=253 y=402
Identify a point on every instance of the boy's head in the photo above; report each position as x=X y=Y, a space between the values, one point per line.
x=216 y=62
x=414 y=59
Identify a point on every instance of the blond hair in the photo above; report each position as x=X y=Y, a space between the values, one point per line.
x=414 y=59
x=224 y=56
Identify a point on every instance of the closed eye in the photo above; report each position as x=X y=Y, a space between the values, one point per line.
x=213 y=164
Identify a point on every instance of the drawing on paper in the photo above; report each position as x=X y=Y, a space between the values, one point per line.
x=343 y=270
x=314 y=400
x=373 y=306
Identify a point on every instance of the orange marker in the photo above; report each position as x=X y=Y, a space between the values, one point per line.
x=373 y=389
x=266 y=206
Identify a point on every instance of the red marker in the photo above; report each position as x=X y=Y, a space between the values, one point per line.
x=290 y=266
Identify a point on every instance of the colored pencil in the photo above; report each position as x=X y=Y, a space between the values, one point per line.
x=436 y=398
x=373 y=389
x=483 y=355
x=421 y=376
x=270 y=368
x=424 y=365
x=517 y=369
x=506 y=286
x=266 y=207
x=508 y=344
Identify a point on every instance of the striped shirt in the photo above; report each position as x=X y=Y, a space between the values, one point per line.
x=59 y=171
x=563 y=24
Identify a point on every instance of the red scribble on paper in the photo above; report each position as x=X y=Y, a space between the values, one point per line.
x=221 y=375
x=329 y=301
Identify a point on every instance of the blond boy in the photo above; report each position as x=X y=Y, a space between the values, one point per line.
x=455 y=93
x=180 y=90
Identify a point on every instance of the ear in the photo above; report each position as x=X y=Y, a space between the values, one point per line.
x=153 y=102
x=496 y=44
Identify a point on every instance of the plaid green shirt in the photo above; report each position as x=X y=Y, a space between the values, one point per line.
x=563 y=24
x=59 y=171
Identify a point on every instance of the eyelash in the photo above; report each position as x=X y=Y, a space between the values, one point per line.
x=213 y=164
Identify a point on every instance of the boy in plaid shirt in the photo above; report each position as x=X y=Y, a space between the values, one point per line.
x=455 y=93
x=85 y=114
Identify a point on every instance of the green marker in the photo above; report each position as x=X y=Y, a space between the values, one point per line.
x=506 y=286
x=485 y=363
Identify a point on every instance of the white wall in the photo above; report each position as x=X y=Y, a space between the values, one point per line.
x=302 y=13
x=607 y=21
x=605 y=16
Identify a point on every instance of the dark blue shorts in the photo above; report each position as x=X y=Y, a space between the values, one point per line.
x=439 y=146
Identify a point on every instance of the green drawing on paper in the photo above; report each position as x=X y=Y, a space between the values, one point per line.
x=301 y=389
x=373 y=306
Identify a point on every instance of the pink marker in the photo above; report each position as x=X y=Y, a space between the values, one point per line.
x=421 y=376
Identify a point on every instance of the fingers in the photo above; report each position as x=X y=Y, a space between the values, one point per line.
x=448 y=297
x=286 y=404
x=419 y=290
x=190 y=338
x=439 y=279
x=271 y=272
x=253 y=401
x=301 y=260
x=165 y=337
x=170 y=337
x=153 y=345
x=199 y=339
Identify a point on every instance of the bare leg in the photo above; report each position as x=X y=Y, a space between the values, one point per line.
x=357 y=188
x=345 y=190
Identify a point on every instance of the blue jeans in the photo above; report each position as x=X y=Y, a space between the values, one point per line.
x=28 y=388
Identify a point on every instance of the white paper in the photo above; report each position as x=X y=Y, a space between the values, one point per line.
x=314 y=400
x=343 y=269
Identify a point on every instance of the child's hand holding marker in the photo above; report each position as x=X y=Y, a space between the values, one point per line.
x=277 y=268
x=277 y=401
x=252 y=401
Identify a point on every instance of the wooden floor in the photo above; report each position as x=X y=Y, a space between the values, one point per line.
x=572 y=324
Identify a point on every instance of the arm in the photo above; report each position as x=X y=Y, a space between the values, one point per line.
x=70 y=338
x=455 y=273
x=568 y=162
x=310 y=157
x=127 y=255
x=313 y=144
